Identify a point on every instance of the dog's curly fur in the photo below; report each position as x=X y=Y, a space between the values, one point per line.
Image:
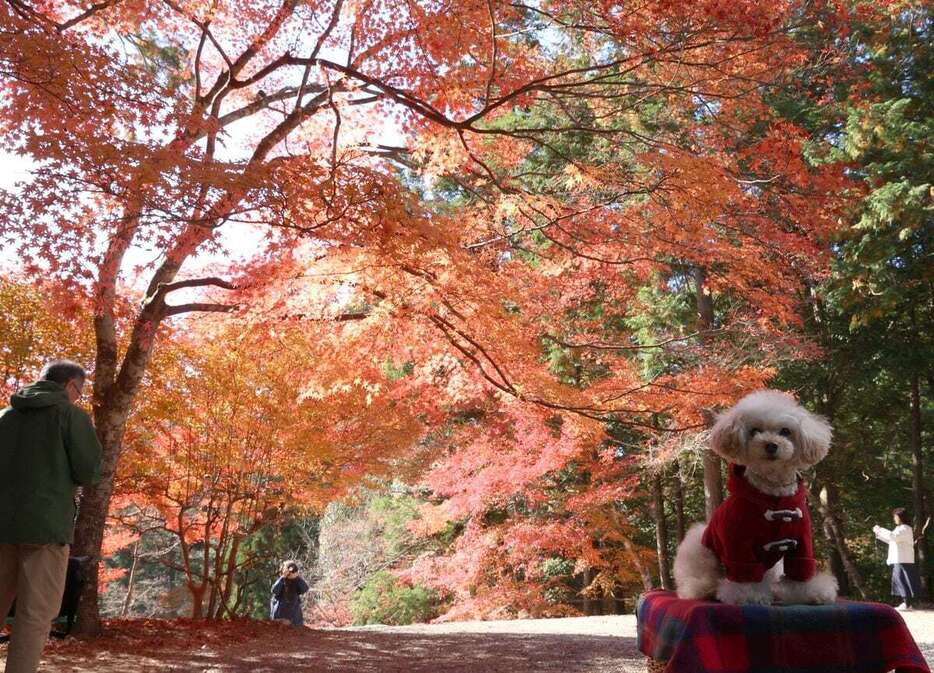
x=741 y=435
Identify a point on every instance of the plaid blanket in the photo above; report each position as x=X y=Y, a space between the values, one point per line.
x=848 y=637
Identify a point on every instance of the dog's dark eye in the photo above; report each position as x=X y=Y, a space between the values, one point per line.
x=754 y=432
x=785 y=432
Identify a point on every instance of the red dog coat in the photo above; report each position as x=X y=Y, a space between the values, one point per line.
x=751 y=531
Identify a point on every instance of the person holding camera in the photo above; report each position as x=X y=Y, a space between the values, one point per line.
x=287 y=591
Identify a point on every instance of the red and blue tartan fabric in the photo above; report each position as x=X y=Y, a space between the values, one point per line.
x=711 y=637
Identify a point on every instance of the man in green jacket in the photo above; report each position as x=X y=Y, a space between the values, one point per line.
x=48 y=448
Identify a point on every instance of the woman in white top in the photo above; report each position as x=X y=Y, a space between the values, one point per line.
x=905 y=582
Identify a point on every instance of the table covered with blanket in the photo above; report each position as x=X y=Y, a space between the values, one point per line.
x=689 y=636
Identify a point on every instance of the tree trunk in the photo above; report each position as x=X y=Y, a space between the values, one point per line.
x=678 y=488
x=131 y=577
x=197 y=600
x=92 y=515
x=917 y=484
x=838 y=570
x=713 y=483
x=230 y=572
x=644 y=573
x=116 y=384
x=836 y=562
x=213 y=596
x=661 y=532
x=827 y=504
x=587 y=606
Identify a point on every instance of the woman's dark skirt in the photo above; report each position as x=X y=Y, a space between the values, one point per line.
x=905 y=580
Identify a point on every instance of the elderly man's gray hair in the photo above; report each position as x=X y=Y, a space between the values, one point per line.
x=62 y=371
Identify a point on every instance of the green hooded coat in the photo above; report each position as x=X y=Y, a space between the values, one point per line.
x=48 y=447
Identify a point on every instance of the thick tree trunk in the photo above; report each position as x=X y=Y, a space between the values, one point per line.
x=661 y=532
x=919 y=502
x=116 y=383
x=115 y=386
x=213 y=598
x=92 y=515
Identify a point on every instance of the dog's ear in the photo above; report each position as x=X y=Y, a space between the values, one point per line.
x=728 y=437
x=815 y=434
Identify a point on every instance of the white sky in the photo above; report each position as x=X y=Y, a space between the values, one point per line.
x=12 y=169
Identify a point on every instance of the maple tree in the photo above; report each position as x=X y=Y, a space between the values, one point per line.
x=38 y=322
x=163 y=130
x=229 y=444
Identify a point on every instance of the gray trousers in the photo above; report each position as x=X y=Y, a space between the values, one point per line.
x=33 y=575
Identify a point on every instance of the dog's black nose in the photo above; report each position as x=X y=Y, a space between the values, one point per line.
x=771 y=448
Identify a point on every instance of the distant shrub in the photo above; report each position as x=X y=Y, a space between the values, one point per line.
x=386 y=600
x=557 y=567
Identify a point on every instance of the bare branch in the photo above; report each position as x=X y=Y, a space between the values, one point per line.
x=493 y=53
x=196 y=306
x=340 y=317
x=336 y=135
x=93 y=9
x=258 y=105
x=204 y=36
x=165 y=288
x=335 y=15
x=633 y=347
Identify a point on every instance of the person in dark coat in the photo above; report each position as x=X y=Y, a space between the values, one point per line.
x=48 y=448
x=287 y=592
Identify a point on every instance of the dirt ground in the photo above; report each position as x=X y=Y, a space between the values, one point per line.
x=578 y=645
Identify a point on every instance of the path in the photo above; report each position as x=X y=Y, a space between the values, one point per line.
x=578 y=645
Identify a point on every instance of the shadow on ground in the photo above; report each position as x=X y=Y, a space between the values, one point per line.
x=359 y=652
x=375 y=651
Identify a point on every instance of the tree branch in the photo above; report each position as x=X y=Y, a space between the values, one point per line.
x=634 y=347
x=93 y=9
x=165 y=288
x=197 y=306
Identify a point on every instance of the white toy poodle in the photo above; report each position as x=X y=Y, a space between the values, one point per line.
x=763 y=529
